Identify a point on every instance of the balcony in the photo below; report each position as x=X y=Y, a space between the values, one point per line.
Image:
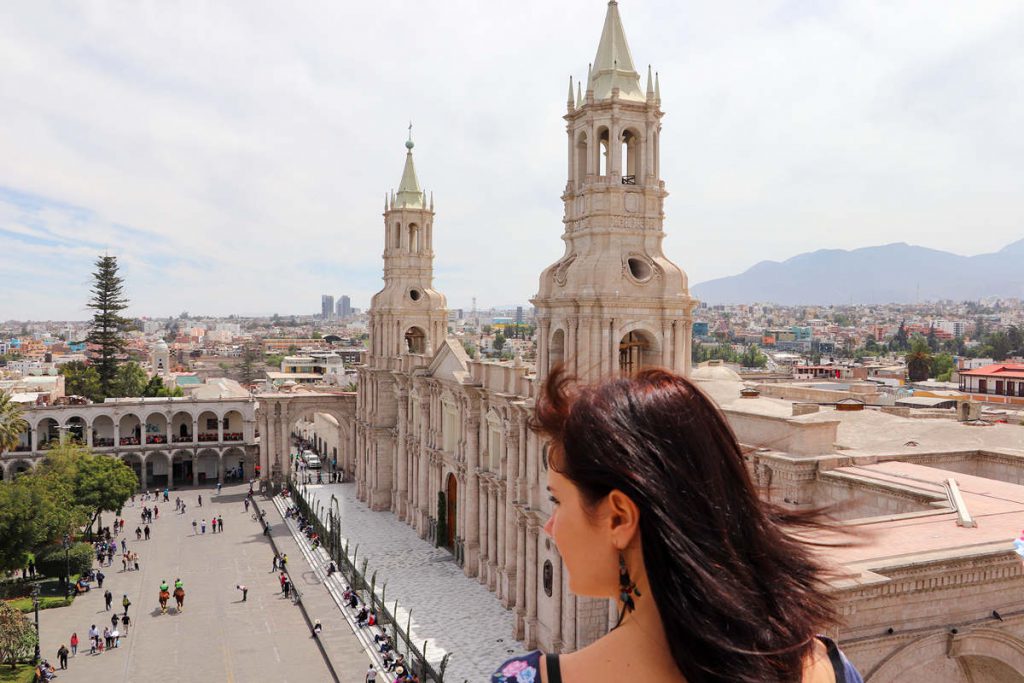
x=182 y=439
x=207 y=436
x=102 y=442
x=233 y=436
x=129 y=441
x=152 y=439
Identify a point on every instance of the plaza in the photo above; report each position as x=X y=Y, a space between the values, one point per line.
x=217 y=637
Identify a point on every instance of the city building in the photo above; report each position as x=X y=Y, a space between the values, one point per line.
x=995 y=383
x=327 y=307
x=344 y=307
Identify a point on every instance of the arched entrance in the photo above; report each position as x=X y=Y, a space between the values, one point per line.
x=451 y=499
x=637 y=350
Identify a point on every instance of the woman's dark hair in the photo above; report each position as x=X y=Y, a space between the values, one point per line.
x=740 y=598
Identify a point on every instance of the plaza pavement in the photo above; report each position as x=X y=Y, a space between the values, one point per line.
x=454 y=613
x=216 y=637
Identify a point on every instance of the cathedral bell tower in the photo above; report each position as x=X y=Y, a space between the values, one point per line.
x=407 y=315
x=613 y=303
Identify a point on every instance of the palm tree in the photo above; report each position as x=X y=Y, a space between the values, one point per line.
x=919 y=360
x=12 y=424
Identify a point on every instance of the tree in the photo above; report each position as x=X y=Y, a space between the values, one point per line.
x=486 y=329
x=919 y=360
x=499 y=341
x=104 y=483
x=156 y=388
x=17 y=635
x=942 y=367
x=82 y=380
x=900 y=341
x=12 y=424
x=108 y=300
x=33 y=512
x=247 y=368
x=933 y=341
x=130 y=380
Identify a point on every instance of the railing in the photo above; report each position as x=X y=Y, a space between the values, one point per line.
x=233 y=436
x=155 y=438
x=102 y=442
x=355 y=577
x=207 y=436
x=629 y=180
x=182 y=439
x=129 y=441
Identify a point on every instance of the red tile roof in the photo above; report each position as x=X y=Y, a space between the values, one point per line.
x=998 y=370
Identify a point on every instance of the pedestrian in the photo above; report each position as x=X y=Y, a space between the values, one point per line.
x=146 y=532
x=94 y=637
x=113 y=621
x=124 y=561
x=287 y=588
x=108 y=598
x=273 y=567
x=220 y=523
x=246 y=503
x=32 y=568
x=213 y=525
x=62 y=656
x=182 y=507
x=99 y=579
x=218 y=488
x=74 y=644
x=317 y=627
x=124 y=544
x=200 y=500
x=126 y=603
x=371 y=675
x=125 y=622
x=156 y=512
x=108 y=641
x=202 y=525
x=193 y=527
x=284 y=561
x=135 y=561
x=177 y=503
x=245 y=591
x=138 y=533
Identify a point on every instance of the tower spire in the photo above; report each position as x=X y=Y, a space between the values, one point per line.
x=409 y=192
x=613 y=65
x=569 y=102
x=650 y=84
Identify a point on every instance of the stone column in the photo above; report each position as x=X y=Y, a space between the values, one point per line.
x=117 y=432
x=195 y=430
x=484 y=532
x=520 y=602
x=473 y=500
x=195 y=469
x=220 y=430
x=556 y=599
x=531 y=583
x=88 y=434
x=143 y=482
x=400 y=502
x=492 y=535
x=220 y=466
x=499 y=537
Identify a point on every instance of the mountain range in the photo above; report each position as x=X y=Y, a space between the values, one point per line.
x=891 y=273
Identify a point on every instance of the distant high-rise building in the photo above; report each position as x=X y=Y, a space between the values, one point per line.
x=344 y=307
x=519 y=315
x=327 y=306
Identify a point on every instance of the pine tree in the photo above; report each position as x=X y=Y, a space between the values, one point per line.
x=108 y=300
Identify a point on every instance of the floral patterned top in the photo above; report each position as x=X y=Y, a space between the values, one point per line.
x=521 y=669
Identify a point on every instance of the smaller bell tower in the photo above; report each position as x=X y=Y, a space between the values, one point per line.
x=408 y=315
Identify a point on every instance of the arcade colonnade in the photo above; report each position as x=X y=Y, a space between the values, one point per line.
x=277 y=416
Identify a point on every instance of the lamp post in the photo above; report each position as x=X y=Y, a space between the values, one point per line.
x=35 y=605
x=66 y=544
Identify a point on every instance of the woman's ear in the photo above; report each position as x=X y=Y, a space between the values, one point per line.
x=623 y=519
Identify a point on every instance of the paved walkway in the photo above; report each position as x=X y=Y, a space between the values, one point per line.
x=217 y=637
x=454 y=613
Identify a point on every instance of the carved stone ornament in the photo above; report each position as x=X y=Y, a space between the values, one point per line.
x=562 y=268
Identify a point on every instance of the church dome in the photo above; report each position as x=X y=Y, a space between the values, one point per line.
x=713 y=370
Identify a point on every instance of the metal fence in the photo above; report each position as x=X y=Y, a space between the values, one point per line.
x=371 y=594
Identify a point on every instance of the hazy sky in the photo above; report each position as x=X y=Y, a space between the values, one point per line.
x=235 y=155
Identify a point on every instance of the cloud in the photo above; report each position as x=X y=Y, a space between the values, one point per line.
x=235 y=155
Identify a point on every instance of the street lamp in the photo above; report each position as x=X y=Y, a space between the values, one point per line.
x=66 y=544
x=35 y=605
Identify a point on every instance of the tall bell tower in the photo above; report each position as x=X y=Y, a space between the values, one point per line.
x=613 y=303
x=407 y=317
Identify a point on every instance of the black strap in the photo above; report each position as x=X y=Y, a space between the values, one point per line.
x=554 y=671
x=835 y=659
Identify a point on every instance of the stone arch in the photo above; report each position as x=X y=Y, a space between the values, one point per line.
x=137 y=461
x=234 y=463
x=233 y=425
x=638 y=348
x=632 y=153
x=180 y=428
x=20 y=466
x=130 y=428
x=207 y=467
x=451 y=491
x=76 y=427
x=103 y=431
x=415 y=340
x=495 y=440
x=47 y=432
x=582 y=155
x=556 y=349
x=978 y=648
x=602 y=149
x=415 y=238
x=207 y=430
x=182 y=468
x=156 y=427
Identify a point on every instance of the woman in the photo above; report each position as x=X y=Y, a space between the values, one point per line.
x=653 y=506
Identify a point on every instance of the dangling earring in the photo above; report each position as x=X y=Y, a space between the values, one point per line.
x=627 y=589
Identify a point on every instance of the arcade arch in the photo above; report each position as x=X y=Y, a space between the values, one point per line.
x=637 y=349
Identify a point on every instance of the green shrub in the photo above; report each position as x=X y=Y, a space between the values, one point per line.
x=50 y=560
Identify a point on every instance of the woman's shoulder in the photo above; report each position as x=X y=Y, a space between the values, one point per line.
x=521 y=669
x=843 y=668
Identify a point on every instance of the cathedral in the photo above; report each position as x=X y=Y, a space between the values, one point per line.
x=441 y=439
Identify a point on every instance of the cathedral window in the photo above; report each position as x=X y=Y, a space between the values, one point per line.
x=581 y=159
x=636 y=351
x=556 y=351
x=602 y=152
x=415 y=340
x=449 y=424
x=631 y=166
x=494 y=442
x=414 y=238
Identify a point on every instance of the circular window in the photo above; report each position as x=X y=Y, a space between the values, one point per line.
x=415 y=294
x=639 y=268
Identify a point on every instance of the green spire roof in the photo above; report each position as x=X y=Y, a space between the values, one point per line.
x=409 y=192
